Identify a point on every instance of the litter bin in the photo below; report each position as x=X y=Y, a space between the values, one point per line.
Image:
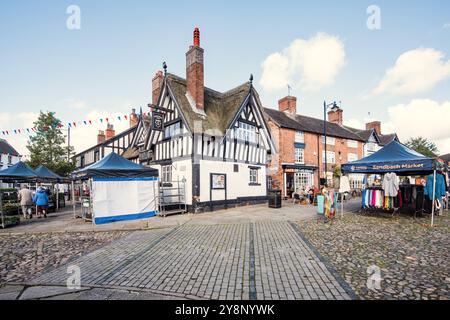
x=320 y=205
x=274 y=198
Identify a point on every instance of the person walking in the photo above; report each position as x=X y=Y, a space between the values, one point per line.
x=25 y=197
x=41 y=200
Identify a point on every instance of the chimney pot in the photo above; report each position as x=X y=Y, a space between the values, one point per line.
x=196 y=37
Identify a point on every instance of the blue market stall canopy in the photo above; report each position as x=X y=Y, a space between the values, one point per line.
x=19 y=171
x=114 y=165
x=46 y=174
x=394 y=157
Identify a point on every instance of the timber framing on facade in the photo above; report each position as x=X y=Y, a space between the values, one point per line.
x=208 y=136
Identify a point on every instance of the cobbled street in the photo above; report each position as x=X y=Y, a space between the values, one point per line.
x=412 y=257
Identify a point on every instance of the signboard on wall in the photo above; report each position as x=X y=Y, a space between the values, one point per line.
x=218 y=181
x=157 y=121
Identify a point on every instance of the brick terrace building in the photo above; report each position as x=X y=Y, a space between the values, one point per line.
x=299 y=140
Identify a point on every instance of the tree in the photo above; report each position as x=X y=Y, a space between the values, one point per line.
x=423 y=146
x=48 y=148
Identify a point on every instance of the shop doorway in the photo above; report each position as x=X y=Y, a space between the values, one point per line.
x=290 y=185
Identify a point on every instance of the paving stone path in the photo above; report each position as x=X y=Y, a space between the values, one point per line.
x=263 y=260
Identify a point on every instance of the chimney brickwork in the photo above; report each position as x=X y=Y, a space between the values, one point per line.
x=195 y=71
x=376 y=125
x=288 y=104
x=336 y=116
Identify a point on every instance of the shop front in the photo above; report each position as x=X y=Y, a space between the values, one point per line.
x=297 y=177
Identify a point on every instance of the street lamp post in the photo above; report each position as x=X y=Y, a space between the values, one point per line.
x=332 y=106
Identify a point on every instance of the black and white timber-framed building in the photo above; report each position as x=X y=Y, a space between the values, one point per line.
x=218 y=144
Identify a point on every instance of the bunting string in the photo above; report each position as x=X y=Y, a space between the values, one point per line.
x=69 y=124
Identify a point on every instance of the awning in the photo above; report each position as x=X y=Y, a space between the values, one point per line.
x=394 y=157
x=114 y=165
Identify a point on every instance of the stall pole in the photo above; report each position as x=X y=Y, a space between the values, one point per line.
x=432 y=203
x=1 y=208
x=57 y=197
x=73 y=199
x=91 y=204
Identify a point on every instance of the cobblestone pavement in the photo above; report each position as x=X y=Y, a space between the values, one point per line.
x=263 y=260
x=414 y=259
x=22 y=257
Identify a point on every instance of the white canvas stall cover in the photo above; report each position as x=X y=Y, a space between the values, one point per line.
x=117 y=199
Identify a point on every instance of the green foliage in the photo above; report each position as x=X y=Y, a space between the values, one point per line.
x=423 y=146
x=48 y=147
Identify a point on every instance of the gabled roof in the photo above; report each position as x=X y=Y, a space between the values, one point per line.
x=6 y=148
x=387 y=138
x=309 y=124
x=364 y=134
x=220 y=108
x=112 y=139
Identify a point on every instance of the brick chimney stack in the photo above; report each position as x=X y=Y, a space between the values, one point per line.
x=288 y=104
x=133 y=118
x=157 y=83
x=110 y=132
x=376 y=125
x=336 y=116
x=195 y=71
x=101 y=136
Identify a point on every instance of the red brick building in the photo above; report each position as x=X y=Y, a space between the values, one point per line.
x=300 y=158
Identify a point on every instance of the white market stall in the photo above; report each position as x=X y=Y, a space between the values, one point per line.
x=118 y=190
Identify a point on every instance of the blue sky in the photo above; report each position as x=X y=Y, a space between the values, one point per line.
x=107 y=66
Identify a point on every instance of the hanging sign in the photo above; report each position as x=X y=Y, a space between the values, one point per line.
x=157 y=121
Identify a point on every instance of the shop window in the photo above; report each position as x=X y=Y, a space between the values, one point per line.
x=299 y=155
x=9 y=159
x=303 y=179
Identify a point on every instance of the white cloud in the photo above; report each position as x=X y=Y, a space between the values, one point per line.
x=423 y=117
x=415 y=71
x=306 y=64
x=446 y=25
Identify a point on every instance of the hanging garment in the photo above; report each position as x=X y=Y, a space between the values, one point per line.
x=390 y=184
x=440 y=186
x=344 y=184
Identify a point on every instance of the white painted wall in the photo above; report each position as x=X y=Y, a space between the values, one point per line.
x=181 y=169
x=237 y=182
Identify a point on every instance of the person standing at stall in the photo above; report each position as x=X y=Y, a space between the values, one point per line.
x=25 y=197
x=41 y=200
